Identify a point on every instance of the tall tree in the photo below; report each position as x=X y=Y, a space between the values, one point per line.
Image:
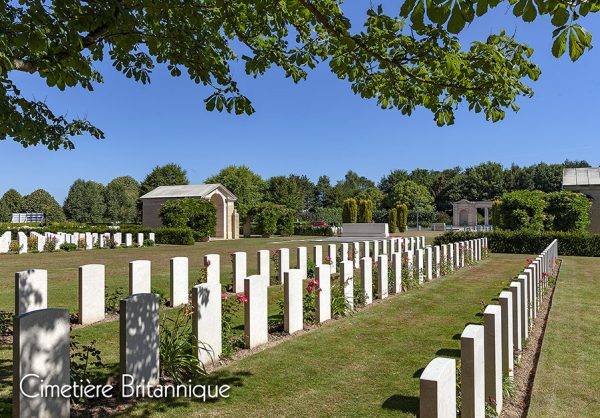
x=42 y=201
x=387 y=184
x=324 y=194
x=168 y=175
x=417 y=198
x=483 y=182
x=402 y=64
x=121 y=198
x=285 y=191
x=85 y=202
x=11 y=202
x=242 y=182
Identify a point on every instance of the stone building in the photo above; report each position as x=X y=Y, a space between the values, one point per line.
x=224 y=201
x=464 y=212
x=586 y=181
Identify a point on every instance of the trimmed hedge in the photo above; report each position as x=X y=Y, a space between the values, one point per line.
x=175 y=236
x=527 y=242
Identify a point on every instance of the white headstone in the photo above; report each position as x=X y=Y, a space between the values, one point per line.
x=344 y=251
x=139 y=339
x=347 y=282
x=239 y=261
x=436 y=261
x=332 y=253
x=293 y=311
x=438 y=389
x=91 y=293
x=284 y=263
x=256 y=330
x=140 y=273
x=118 y=237
x=524 y=308
x=152 y=236
x=40 y=348
x=5 y=242
x=356 y=254
x=429 y=261
x=302 y=260
x=179 y=281
x=420 y=265
x=212 y=263
x=31 y=291
x=128 y=240
x=263 y=263
x=472 y=362
x=89 y=241
x=366 y=278
x=323 y=275
x=140 y=239
x=206 y=321
x=22 y=242
x=505 y=299
x=318 y=255
x=515 y=290
x=492 y=318
x=397 y=272
x=382 y=276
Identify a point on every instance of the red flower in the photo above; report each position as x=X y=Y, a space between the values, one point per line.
x=312 y=285
x=207 y=263
x=241 y=297
x=529 y=260
x=546 y=274
x=224 y=295
x=328 y=259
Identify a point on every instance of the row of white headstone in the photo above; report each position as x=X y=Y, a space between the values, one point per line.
x=37 y=328
x=88 y=240
x=488 y=351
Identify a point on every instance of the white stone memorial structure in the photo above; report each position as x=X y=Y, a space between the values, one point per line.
x=5 y=239
x=382 y=276
x=515 y=290
x=140 y=239
x=332 y=253
x=472 y=360
x=317 y=254
x=118 y=238
x=505 y=299
x=420 y=265
x=140 y=276
x=492 y=320
x=284 y=263
x=239 y=261
x=347 y=282
x=293 y=312
x=302 y=260
x=139 y=339
x=522 y=279
x=179 y=268
x=40 y=348
x=356 y=254
x=366 y=279
x=22 y=239
x=91 y=293
x=436 y=261
x=429 y=261
x=206 y=321
x=256 y=329
x=128 y=240
x=397 y=272
x=31 y=291
x=438 y=389
x=323 y=275
x=263 y=263
x=344 y=251
x=212 y=263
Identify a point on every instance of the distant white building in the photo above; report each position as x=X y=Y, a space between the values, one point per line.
x=228 y=220
x=586 y=181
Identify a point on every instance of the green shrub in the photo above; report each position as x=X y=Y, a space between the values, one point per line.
x=350 y=211
x=392 y=220
x=198 y=214
x=148 y=243
x=530 y=242
x=178 y=348
x=304 y=228
x=267 y=216
x=14 y=247
x=175 y=236
x=285 y=224
x=365 y=211
x=113 y=300
x=68 y=247
x=521 y=209
x=568 y=211
x=173 y=214
x=332 y=216
x=402 y=216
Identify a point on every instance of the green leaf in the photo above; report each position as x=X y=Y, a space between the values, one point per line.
x=457 y=21
x=529 y=13
x=559 y=45
x=560 y=17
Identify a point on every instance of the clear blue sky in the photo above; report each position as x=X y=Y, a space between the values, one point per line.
x=316 y=127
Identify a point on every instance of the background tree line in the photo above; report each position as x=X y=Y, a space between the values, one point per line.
x=430 y=192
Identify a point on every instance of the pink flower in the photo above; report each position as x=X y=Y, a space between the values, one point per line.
x=529 y=260
x=328 y=259
x=241 y=297
x=224 y=295
x=207 y=263
x=546 y=274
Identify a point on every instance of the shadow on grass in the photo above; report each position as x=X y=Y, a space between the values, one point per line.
x=448 y=352
x=402 y=403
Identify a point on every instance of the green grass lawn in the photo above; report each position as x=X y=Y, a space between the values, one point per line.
x=364 y=365
x=567 y=382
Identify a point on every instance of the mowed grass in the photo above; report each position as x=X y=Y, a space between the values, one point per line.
x=364 y=365
x=567 y=382
x=63 y=285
